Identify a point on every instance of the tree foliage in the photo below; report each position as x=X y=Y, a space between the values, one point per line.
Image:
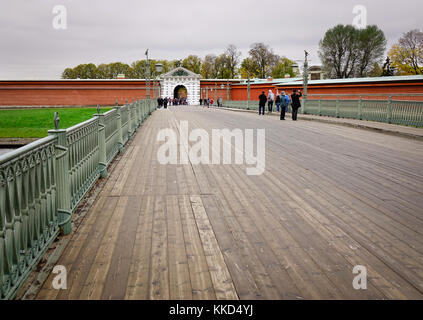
x=232 y=60
x=349 y=52
x=249 y=68
x=407 y=54
x=208 y=69
x=192 y=63
x=282 y=68
x=262 y=62
x=263 y=58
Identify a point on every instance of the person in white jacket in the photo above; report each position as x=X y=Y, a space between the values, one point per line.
x=270 y=100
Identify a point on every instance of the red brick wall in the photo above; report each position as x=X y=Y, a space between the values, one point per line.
x=239 y=92
x=79 y=92
x=69 y=92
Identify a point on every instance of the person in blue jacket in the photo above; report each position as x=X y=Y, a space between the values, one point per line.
x=284 y=104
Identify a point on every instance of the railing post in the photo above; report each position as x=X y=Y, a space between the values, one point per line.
x=119 y=127
x=128 y=107
x=337 y=107
x=142 y=110
x=63 y=186
x=360 y=108
x=134 y=115
x=320 y=106
x=102 y=157
x=139 y=111
x=304 y=104
x=389 y=110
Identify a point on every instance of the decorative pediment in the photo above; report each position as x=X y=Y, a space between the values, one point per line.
x=180 y=72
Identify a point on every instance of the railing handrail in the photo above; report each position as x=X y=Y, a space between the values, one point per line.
x=366 y=95
x=81 y=124
x=25 y=149
x=45 y=181
x=387 y=110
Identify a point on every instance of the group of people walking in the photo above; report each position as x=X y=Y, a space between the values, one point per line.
x=174 y=102
x=163 y=102
x=282 y=102
x=206 y=102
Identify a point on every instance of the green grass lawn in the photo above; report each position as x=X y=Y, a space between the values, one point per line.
x=34 y=123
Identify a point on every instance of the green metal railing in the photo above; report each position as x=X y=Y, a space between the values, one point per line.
x=42 y=183
x=402 y=109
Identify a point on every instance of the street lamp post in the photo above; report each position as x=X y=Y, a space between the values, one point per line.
x=147 y=73
x=248 y=92
x=305 y=80
x=159 y=68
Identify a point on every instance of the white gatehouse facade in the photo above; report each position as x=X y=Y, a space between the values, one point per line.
x=181 y=78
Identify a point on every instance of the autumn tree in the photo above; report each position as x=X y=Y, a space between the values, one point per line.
x=249 y=68
x=407 y=54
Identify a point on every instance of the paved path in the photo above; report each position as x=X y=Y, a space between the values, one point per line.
x=331 y=198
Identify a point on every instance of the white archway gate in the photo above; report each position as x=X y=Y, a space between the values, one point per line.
x=181 y=77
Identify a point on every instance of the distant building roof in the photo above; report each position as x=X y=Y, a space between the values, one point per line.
x=266 y=81
x=355 y=80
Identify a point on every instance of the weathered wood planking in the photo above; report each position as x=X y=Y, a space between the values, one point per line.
x=331 y=198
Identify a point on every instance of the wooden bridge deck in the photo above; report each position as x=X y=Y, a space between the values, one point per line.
x=331 y=198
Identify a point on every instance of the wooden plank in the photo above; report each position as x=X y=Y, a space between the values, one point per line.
x=97 y=274
x=117 y=276
x=138 y=279
x=221 y=278
x=123 y=177
x=179 y=278
x=201 y=283
x=159 y=271
x=238 y=266
x=72 y=250
x=84 y=260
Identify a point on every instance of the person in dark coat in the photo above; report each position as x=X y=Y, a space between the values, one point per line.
x=262 y=103
x=296 y=103
x=165 y=101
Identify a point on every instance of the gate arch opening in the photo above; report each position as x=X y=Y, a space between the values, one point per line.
x=180 y=91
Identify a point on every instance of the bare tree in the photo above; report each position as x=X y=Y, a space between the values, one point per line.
x=410 y=52
x=263 y=56
x=233 y=59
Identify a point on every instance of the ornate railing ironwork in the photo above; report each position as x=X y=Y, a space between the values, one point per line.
x=42 y=183
x=402 y=109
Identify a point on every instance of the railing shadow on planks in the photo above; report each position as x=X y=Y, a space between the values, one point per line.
x=402 y=109
x=42 y=183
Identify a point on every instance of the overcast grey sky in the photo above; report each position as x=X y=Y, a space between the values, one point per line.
x=103 y=31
